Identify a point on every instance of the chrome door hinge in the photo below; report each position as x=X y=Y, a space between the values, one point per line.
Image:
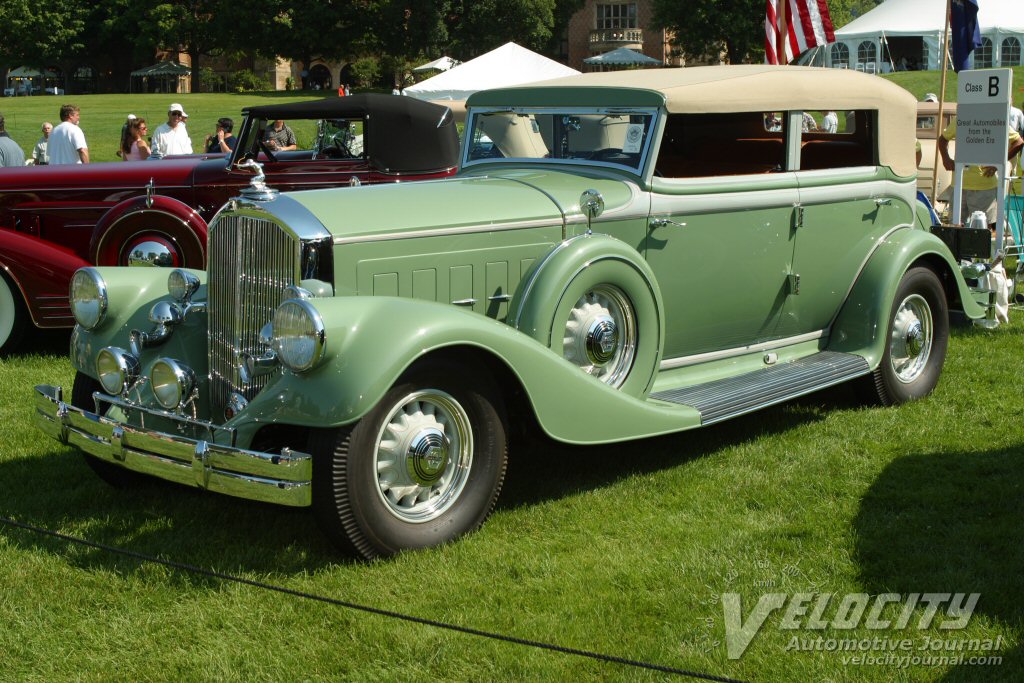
x=793 y=280
x=798 y=218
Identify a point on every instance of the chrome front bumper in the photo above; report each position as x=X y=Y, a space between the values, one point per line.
x=282 y=478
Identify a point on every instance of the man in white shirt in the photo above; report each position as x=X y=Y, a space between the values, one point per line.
x=67 y=141
x=171 y=137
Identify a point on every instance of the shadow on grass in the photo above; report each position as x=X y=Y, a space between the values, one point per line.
x=950 y=522
x=59 y=492
x=542 y=469
x=43 y=342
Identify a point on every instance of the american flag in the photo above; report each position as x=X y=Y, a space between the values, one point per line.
x=808 y=24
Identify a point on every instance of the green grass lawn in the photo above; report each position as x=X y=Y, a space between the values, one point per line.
x=103 y=115
x=621 y=549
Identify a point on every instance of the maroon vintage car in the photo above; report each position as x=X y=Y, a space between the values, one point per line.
x=55 y=219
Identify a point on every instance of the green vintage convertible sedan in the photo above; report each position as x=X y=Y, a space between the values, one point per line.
x=620 y=255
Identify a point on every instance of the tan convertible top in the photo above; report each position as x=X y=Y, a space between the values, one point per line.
x=712 y=89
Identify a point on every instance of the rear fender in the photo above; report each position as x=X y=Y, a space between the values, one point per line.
x=371 y=341
x=863 y=321
x=167 y=220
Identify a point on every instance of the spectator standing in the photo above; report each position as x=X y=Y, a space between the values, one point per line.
x=133 y=143
x=279 y=137
x=10 y=152
x=40 y=154
x=1017 y=120
x=222 y=140
x=830 y=124
x=171 y=137
x=67 y=141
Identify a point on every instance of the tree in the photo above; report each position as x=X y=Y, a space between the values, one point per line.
x=201 y=28
x=482 y=25
x=707 y=27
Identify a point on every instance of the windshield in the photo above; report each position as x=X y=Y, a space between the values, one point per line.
x=613 y=137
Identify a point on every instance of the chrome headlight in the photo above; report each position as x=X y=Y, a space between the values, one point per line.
x=88 y=296
x=182 y=284
x=299 y=336
x=172 y=382
x=118 y=370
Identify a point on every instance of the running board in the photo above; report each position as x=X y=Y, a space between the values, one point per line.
x=732 y=396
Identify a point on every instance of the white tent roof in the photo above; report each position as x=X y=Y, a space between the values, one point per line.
x=927 y=17
x=442 y=64
x=505 y=66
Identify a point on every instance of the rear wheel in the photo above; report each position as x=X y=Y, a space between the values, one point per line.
x=918 y=335
x=423 y=467
x=114 y=475
x=13 y=315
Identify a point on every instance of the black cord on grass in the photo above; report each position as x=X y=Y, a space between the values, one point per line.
x=364 y=608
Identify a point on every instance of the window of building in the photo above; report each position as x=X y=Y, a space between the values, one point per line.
x=840 y=55
x=616 y=16
x=866 y=53
x=983 y=55
x=1009 y=52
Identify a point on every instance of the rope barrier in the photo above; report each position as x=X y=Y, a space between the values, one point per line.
x=364 y=608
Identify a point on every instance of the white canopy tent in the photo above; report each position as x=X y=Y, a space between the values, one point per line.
x=505 y=66
x=912 y=32
x=442 y=64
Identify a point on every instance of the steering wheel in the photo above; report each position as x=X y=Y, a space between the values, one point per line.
x=612 y=154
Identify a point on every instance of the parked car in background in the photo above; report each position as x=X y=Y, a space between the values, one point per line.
x=928 y=131
x=621 y=255
x=55 y=219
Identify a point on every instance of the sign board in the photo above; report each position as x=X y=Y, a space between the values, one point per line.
x=982 y=116
x=982 y=133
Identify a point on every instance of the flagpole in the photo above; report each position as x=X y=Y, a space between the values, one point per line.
x=939 y=118
x=783 y=37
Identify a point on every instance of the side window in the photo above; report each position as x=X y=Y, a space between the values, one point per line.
x=708 y=145
x=837 y=139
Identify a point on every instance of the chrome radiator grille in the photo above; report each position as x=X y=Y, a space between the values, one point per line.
x=251 y=262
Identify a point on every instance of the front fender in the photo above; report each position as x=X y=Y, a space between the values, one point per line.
x=863 y=321
x=371 y=341
x=41 y=271
x=151 y=214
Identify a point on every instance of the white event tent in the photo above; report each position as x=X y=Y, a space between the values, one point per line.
x=502 y=67
x=912 y=32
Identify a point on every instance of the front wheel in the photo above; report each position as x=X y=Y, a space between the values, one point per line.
x=918 y=334
x=422 y=468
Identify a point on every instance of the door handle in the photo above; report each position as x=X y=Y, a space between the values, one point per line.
x=882 y=201
x=662 y=222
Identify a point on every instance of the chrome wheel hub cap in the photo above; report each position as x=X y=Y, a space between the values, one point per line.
x=427 y=456
x=424 y=454
x=600 y=335
x=911 y=342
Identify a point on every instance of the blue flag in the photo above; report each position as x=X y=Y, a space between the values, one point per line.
x=963 y=22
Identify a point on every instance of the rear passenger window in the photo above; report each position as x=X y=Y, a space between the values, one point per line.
x=705 y=145
x=837 y=139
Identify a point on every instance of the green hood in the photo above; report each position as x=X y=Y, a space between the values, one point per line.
x=512 y=197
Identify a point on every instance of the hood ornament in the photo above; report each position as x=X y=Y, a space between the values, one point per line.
x=258 y=189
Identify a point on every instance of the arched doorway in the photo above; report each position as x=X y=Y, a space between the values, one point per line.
x=320 y=78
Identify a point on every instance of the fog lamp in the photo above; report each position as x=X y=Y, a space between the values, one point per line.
x=172 y=382
x=118 y=370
